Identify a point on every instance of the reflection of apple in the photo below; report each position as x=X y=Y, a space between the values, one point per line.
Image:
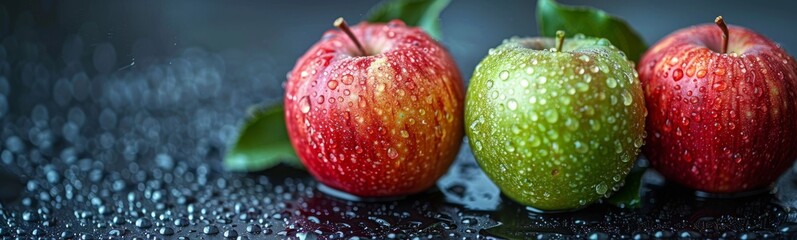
x=381 y=118
x=555 y=128
x=722 y=108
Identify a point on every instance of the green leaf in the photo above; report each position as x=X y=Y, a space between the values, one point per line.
x=590 y=22
x=630 y=195
x=421 y=13
x=262 y=143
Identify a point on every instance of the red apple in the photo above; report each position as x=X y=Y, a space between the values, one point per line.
x=722 y=105
x=380 y=118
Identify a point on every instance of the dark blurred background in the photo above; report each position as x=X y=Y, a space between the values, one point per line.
x=283 y=30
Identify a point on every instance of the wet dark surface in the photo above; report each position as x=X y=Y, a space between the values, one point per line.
x=93 y=147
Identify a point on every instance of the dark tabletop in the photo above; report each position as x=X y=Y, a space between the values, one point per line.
x=115 y=117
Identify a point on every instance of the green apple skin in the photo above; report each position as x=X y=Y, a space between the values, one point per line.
x=555 y=130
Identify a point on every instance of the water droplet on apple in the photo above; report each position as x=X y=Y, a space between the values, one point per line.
x=504 y=75
x=332 y=84
x=347 y=79
x=524 y=83
x=512 y=104
x=581 y=147
x=720 y=86
x=304 y=104
x=571 y=124
x=551 y=115
x=404 y=134
x=582 y=87
x=674 y=60
x=584 y=58
x=677 y=74
x=396 y=23
x=638 y=142
x=534 y=141
x=627 y=98
x=611 y=82
x=392 y=153
x=509 y=147
x=542 y=80
x=320 y=99
x=361 y=101
x=601 y=188
x=701 y=73
x=529 y=70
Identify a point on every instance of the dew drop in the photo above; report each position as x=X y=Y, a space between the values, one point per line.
x=674 y=60
x=701 y=73
x=582 y=87
x=551 y=115
x=720 y=86
x=529 y=70
x=618 y=146
x=611 y=82
x=332 y=84
x=404 y=134
x=512 y=104
x=304 y=104
x=392 y=153
x=347 y=79
x=504 y=75
x=571 y=124
x=601 y=188
x=627 y=98
x=581 y=147
x=677 y=74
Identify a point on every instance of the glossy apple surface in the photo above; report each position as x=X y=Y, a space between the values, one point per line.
x=555 y=130
x=720 y=122
x=385 y=124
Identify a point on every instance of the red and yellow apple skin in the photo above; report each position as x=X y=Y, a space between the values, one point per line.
x=720 y=122
x=386 y=124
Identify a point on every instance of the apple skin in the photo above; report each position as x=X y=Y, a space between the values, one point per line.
x=720 y=123
x=555 y=130
x=388 y=124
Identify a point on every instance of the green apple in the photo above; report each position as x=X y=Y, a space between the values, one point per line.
x=555 y=123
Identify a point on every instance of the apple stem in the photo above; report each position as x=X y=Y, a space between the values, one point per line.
x=721 y=23
x=341 y=24
x=560 y=39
